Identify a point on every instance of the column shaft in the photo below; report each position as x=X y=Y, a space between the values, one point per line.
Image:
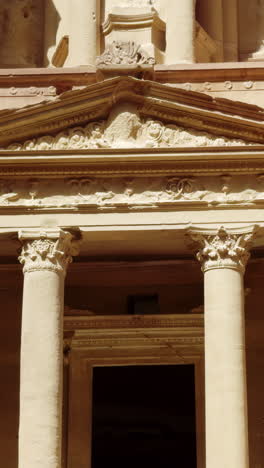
x=211 y=18
x=41 y=371
x=45 y=256
x=224 y=255
x=84 y=33
x=225 y=370
x=180 y=31
x=230 y=27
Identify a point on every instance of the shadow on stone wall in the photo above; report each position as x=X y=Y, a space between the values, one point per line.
x=23 y=32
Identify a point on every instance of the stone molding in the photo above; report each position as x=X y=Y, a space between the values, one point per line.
x=151 y=162
x=223 y=248
x=132 y=20
x=97 y=332
x=78 y=320
x=50 y=249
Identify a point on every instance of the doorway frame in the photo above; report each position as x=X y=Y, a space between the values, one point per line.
x=122 y=341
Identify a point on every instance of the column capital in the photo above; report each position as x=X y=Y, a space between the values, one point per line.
x=47 y=249
x=223 y=248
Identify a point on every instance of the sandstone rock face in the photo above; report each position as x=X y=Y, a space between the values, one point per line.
x=21 y=33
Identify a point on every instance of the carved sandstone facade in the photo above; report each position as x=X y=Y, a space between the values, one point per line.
x=131 y=165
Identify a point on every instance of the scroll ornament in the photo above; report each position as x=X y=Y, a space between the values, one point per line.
x=127 y=131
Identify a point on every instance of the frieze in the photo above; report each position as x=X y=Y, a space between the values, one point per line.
x=132 y=193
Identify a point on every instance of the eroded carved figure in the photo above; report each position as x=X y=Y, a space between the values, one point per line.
x=124 y=53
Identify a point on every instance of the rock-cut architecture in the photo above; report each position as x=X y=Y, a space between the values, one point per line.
x=132 y=233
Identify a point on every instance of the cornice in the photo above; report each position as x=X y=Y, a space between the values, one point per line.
x=209 y=72
x=197 y=72
x=63 y=78
x=133 y=162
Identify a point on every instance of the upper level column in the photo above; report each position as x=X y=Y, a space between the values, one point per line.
x=223 y=256
x=84 y=33
x=45 y=256
x=180 y=31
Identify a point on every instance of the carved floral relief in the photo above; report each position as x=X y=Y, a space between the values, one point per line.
x=133 y=132
x=132 y=193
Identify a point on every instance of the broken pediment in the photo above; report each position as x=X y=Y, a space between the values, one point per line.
x=127 y=112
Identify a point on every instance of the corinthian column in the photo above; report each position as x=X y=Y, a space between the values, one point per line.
x=45 y=257
x=223 y=256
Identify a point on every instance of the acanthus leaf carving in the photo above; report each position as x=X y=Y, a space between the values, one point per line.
x=46 y=250
x=223 y=249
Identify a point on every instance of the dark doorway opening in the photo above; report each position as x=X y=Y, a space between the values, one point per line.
x=144 y=417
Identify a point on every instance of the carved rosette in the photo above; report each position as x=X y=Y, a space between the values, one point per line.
x=50 y=250
x=223 y=249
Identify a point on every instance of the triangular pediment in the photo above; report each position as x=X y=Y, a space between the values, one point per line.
x=126 y=112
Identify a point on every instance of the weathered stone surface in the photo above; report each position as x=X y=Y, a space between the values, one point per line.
x=21 y=33
x=134 y=164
